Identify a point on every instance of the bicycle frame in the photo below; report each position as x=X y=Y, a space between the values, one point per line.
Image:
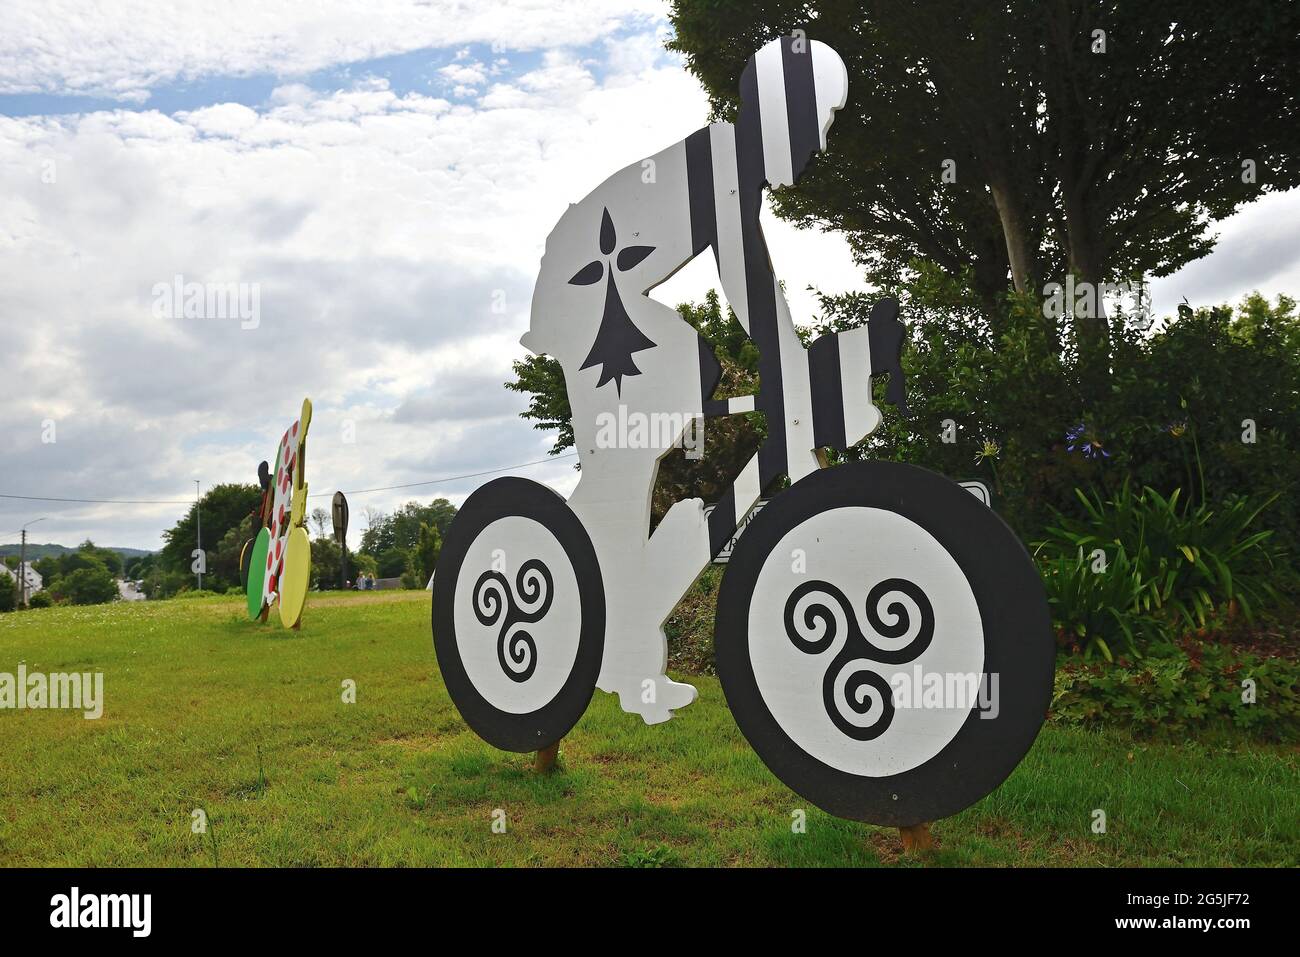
x=832 y=393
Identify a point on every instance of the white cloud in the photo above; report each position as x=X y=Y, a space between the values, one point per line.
x=224 y=119
x=464 y=74
x=379 y=230
x=126 y=48
x=293 y=94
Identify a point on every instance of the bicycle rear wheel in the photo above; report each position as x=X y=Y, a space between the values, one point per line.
x=518 y=615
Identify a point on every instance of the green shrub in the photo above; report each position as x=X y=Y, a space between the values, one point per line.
x=413 y=575
x=1093 y=609
x=1200 y=687
x=187 y=594
x=40 y=599
x=1178 y=395
x=689 y=627
x=325 y=558
x=91 y=585
x=391 y=563
x=164 y=584
x=1189 y=562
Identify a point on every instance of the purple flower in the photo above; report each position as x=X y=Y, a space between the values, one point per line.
x=1081 y=442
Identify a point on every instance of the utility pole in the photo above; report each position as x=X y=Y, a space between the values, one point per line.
x=198 y=530
x=22 y=564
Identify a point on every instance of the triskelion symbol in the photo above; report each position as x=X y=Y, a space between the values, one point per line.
x=849 y=686
x=494 y=600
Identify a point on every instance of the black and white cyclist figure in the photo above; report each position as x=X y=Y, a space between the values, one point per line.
x=618 y=347
x=848 y=595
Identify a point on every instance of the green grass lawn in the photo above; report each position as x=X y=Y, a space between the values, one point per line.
x=207 y=710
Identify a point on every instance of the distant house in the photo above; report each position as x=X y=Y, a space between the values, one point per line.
x=34 y=581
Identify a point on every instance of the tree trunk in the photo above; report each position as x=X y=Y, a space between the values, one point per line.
x=989 y=271
x=1085 y=262
x=1020 y=253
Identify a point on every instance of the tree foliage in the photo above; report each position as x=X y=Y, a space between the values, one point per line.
x=222 y=508
x=405 y=544
x=424 y=557
x=401 y=529
x=1097 y=137
x=87 y=576
x=542 y=379
x=89 y=585
x=325 y=558
x=1175 y=416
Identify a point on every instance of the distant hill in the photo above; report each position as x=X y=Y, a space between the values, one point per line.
x=35 y=552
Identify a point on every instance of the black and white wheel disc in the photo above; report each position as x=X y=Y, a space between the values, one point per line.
x=860 y=615
x=518 y=615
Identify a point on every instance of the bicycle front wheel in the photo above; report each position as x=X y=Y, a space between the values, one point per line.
x=884 y=642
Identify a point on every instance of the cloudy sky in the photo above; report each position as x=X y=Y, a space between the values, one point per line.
x=384 y=175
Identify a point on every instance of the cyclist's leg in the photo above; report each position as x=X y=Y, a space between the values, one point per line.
x=643 y=582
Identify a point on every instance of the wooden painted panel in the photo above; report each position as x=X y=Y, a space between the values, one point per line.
x=845 y=581
x=277 y=547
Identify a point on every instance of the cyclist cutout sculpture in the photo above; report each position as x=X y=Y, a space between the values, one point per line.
x=275 y=566
x=849 y=584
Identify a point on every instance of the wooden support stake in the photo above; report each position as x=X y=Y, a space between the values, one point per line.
x=916 y=837
x=544 y=762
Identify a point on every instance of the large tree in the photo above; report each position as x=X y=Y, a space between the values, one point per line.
x=1099 y=137
x=222 y=508
x=92 y=585
x=400 y=531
